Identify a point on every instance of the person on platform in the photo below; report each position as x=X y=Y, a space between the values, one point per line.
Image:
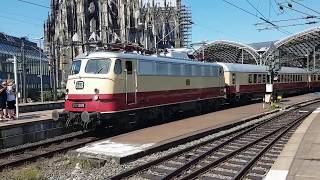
x=11 y=98
x=3 y=99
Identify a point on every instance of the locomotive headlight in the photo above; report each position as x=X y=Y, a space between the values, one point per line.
x=96 y=96
x=66 y=96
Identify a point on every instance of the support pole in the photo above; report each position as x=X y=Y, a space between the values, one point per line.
x=41 y=78
x=314 y=58
x=15 y=69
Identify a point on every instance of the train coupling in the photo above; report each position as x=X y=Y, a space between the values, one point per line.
x=92 y=118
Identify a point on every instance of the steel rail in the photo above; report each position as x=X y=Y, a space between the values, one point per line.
x=22 y=149
x=167 y=157
x=65 y=145
x=150 y=164
x=231 y=154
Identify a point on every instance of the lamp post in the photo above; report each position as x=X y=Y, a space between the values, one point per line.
x=40 y=68
x=41 y=78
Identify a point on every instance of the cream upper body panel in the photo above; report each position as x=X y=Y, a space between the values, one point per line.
x=111 y=82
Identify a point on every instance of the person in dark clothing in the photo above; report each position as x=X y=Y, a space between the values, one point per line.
x=3 y=99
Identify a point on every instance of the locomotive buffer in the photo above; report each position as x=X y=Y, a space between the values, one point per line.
x=273 y=68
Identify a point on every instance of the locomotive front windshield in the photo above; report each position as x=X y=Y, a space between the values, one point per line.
x=98 y=66
x=75 y=67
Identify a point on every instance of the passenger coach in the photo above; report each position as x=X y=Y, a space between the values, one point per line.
x=247 y=81
x=107 y=88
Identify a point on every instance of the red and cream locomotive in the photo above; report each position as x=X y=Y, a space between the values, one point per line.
x=123 y=89
x=118 y=88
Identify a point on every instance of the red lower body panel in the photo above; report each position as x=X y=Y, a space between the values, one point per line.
x=261 y=88
x=118 y=102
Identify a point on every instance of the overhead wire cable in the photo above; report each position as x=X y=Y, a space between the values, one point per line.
x=305 y=6
x=294 y=9
x=35 y=4
x=293 y=19
x=17 y=20
x=290 y=25
x=261 y=18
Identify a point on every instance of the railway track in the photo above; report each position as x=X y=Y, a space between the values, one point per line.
x=22 y=155
x=247 y=153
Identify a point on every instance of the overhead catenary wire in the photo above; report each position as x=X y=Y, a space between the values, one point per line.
x=305 y=6
x=292 y=19
x=261 y=18
x=35 y=4
x=290 y=25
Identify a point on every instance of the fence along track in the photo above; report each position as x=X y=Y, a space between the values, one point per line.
x=226 y=157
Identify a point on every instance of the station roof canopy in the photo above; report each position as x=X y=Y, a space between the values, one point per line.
x=294 y=50
x=228 y=51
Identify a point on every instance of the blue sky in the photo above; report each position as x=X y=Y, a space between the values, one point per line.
x=213 y=19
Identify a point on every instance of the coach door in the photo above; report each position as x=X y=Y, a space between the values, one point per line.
x=130 y=82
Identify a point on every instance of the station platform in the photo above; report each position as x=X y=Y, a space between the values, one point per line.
x=30 y=127
x=135 y=144
x=27 y=117
x=300 y=158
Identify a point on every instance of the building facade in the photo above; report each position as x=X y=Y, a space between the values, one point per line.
x=28 y=54
x=77 y=26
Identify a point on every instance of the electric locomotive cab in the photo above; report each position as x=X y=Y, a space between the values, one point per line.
x=90 y=90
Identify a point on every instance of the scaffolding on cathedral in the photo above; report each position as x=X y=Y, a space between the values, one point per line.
x=77 y=26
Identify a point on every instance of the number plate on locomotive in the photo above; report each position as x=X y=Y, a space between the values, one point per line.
x=79 y=85
x=79 y=105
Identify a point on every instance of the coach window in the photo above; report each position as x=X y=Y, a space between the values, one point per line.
x=175 y=69
x=196 y=70
x=250 y=78
x=263 y=78
x=259 y=78
x=187 y=70
x=162 y=68
x=255 y=78
x=129 y=67
x=233 y=78
x=117 y=67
